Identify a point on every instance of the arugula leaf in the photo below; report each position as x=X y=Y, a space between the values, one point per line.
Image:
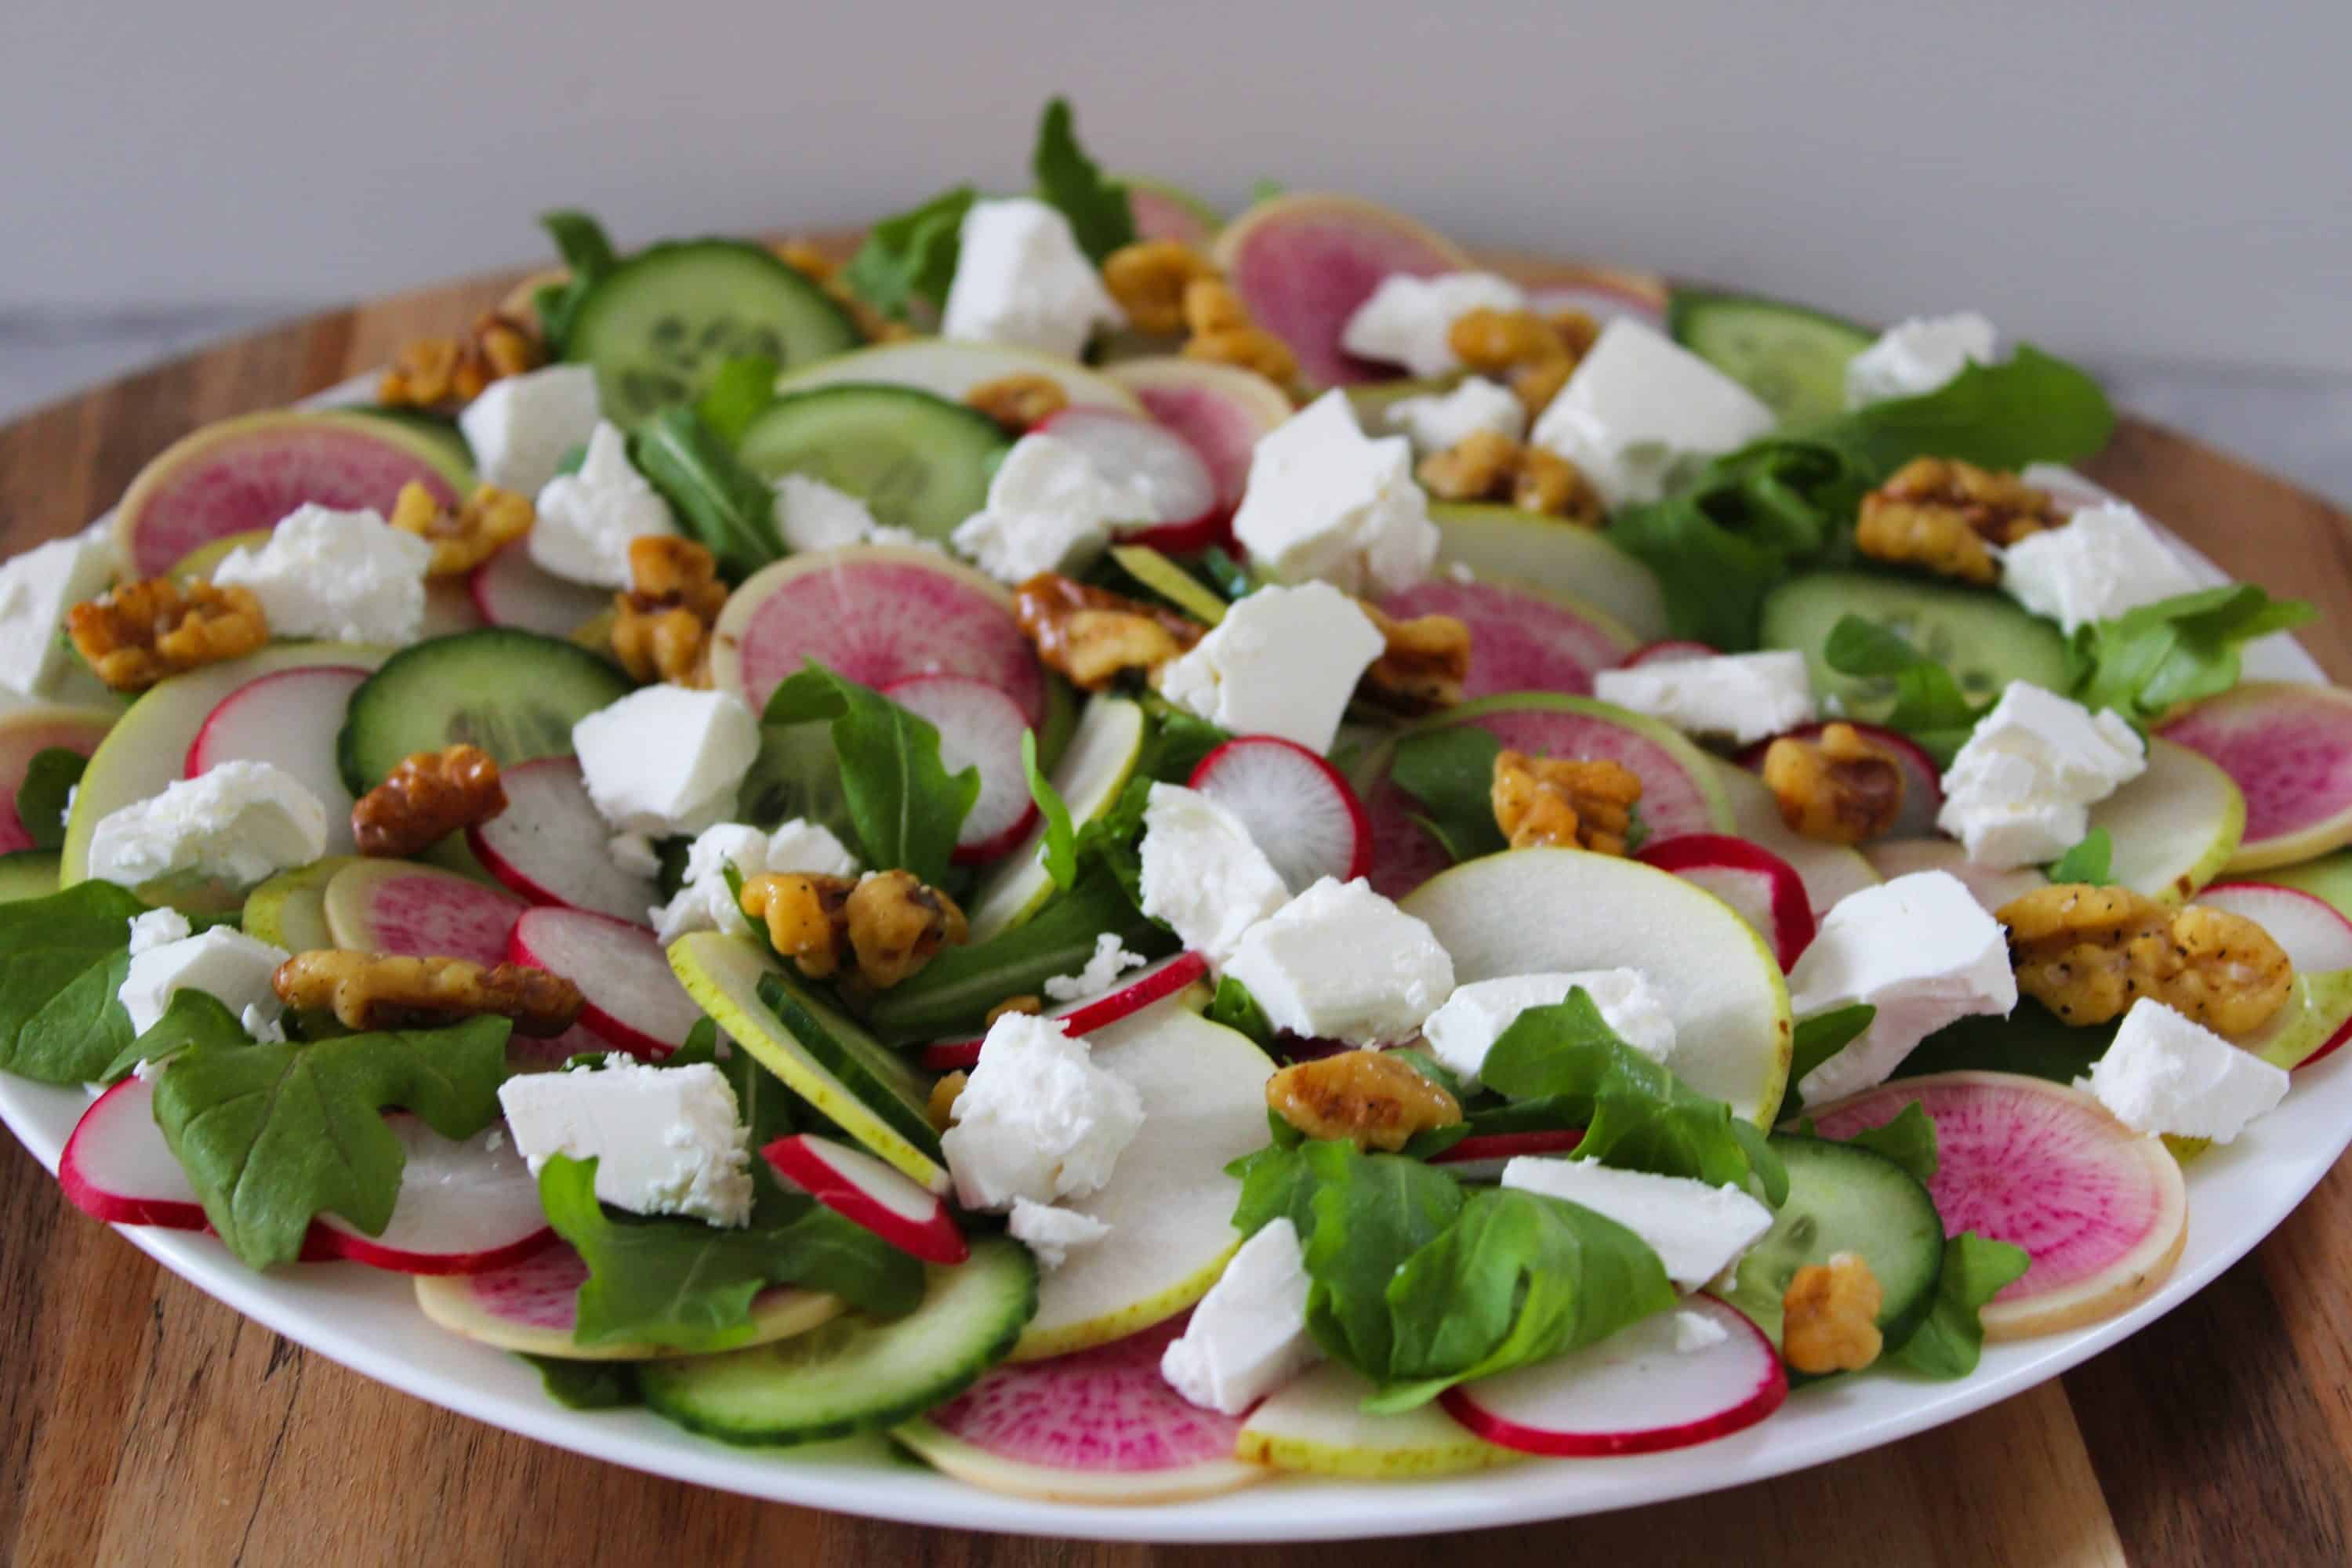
x=740 y=390
x=1823 y=1036
x=580 y=239
x=1174 y=742
x=720 y=504
x=1948 y=1341
x=1059 y=853
x=911 y=256
x=586 y=1385
x=2031 y=407
x=273 y=1136
x=2089 y=861
x=49 y=783
x=1929 y=706
x=1910 y=1140
x=905 y=803
x=47 y=945
x=1451 y=772
x=2149 y=661
x=1369 y=1214
x=1237 y=1010
x=2032 y=1040
x=75 y=1035
x=1070 y=181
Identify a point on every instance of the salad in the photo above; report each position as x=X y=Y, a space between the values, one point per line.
x=1146 y=852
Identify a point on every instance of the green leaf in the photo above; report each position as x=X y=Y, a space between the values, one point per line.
x=47 y=945
x=1910 y=1140
x=905 y=803
x=1370 y=1213
x=2030 y=408
x=2149 y=661
x=739 y=392
x=1264 y=188
x=580 y=239
x=1948 y=1341
x=49 y=783
x=910 y=256
x=1070 y=181
x=1451 y=772
x=586 y=1385
x=1824 y=1035
x=2032 y=1040
x=1060 y=857
x=2090 y=861
x=75 y=1036
x=720 y=504
x=1930 y=705
x=1237 y=1009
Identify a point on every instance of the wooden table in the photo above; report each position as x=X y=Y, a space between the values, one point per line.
x=140 y=1422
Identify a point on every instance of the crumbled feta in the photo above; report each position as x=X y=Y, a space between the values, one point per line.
x=158 y=928
x=1406 y=320
x=1342 y=962
x=1050 y=1232
x=705 y=902
x=1696 y=1230
x=813 y=515
x=1111 y=959
x=1922 y=951
x=1697 y=1331
x=1640 y=410
x=522 y=426
x=1740 y=696
x=586 y=519
x=226 y=965
x=348 y=576
x=1038 y=1119
x=666 y=1140
x=1462 y=1032
x=1051 y=508
x=665 y=760
x=1021 y=279
x=37 y=589
x=2166 y=1073
x=236 y=821
x=1203 y=873
x=1325 y=501
x=1283 y=662
x=1248 y=1336
x=265 y=1021
x=2020 y=791
x=2105 y=561
x=1438 y=421
x=1917 y=356
x=635 y=853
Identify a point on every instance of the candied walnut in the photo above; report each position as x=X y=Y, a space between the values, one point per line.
x=434 y=372
x=1945 y=515
x=1210 y=305
x=139 y=633
x=1027 y=1006
x=1424 y=665
x=661 y=624
x=484 y=523
x=1019 y=401
x=1839 y=786
x=1091 y=636
x=1491 y=342
x=1830 y=1316
x=823 y=270
x=1577 y=330
x=1223 y=333
x=1488 y=465
x=1565 y=801
x=1550 y=484
x=1149 y=279
x=807 y=917
x=1535 y=385
x=897 y=925
x=940 y=1111
x=383 y=991
x=807 y=260
x=1372 y=1098
x=427 y=798
x=2087 y=954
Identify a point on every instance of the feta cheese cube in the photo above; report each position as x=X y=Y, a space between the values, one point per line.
x=1641 y=410
x=665 y=760
x=1325 y=501
x=1021 y=280
x=1111 y=959
x=227 y=965
x=2105 y=561
x=157 y=928
x=1050 y=1232
x=705 y=902
x=587 y=519
x=635 y=853
x=1405 y=321
x=1740 y=696
x=522 y=426
x=1466 y=1028
x=2018 y=793
x=1248 y=1336
x=1922 y=951
x=236 y=823
x=1203 y=876
x=1697 y=1331
x=1436 y=422
x=1917 y=356
x=1038 y=1119
x=1051 y=508
x=37 y=589
x=1697 y=1231
x=347 y=576
x=1283 y=662
x=813 y=515
x=666 y=1140
x=1342 y=962
x=2166 y=1073
x=265 y=1021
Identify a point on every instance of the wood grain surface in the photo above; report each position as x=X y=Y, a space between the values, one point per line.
x=143 y=1422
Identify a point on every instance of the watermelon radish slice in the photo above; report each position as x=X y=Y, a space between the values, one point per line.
x=1922 y=787
x=1604 y=293
x=26 y=735
x=1220 y=410
x=394 y=907
x=2314 y=935
x=630 y=998
x=2289 y=747
x=2100 y=1209
x=1634 y=1393
x=1301 y=264
x=876 y=613
x=290 y=718
x=552 y=845
x=1521 y=638
x=510 y=590
x=1132 y=993
x=1295 y=805
x=980 y=727
x=531 y=1307
x=1096 y=1425
x=1892 y=857
x=1671 y=650
x=1492 y=540
x=864 y=1191
x=1482 y=1156
x=1183 y=492
x=1161 y=211
x=1764 y=888
x=243 y=474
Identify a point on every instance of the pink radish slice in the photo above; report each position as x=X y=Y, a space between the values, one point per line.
x=1294 y=805
x=1634 y=1393
x=510 y=589
x=1404 y=856
x=25 y=736
x=980 y=727
x=290 y=719
x=864 y=1191
x=1520 y=640
x=631 y=998
x=1764 y=888
x=116 y=1166
x=542 y=1291
x=419 y=911
x=552 y=845
x=1604 y=296
x=1219 y=410
x=1672 y=650
x=1132 y=993
x=1160 y=215
x=2099 y=1208
x=1183 y=492
x=1922 y=787
x=1481 y=1158
x=2314 y=934
x=1302 y=264
x=2289 y=748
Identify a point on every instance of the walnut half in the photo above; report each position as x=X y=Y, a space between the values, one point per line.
x=141 y=631
x=427 y=798
x=370 y=991
x=1945 y=514
x=1092 y=636
x=1563 y=802
x=2087 y=954
x=1372 y=1098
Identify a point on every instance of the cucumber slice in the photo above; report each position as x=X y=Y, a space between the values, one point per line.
x=27 y=874
x=514 y=693
x=1846 y=1198
x=1983 y=638
x=1791 y=358
x=854 y=1374
x=915 y=460
x=657 y=327
x=881 y=1079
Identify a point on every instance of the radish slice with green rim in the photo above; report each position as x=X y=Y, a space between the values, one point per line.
x=864 y=1191
x=288 y=719
x=532 y=1307
x=2312 y=933
x=630 y=998
x=2288 y=747
x=979 y=727
x=418 y=911
x=1764 y=888
x=553 y=846
x=1522 y=638
x=511 y=589
x=1922 y=787
x=1153 y=983
x=1297 y=808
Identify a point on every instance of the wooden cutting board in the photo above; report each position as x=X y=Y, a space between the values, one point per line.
x=141 y=1422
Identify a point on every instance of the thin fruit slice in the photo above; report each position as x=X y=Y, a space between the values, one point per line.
x=864 y=1191
x=1132 y=446
x=1604 y=293
x=116 y=1166
x=1764 y=888
x=1098 y=1425
x=531 y=1307
x=1155 y=571
x=510 y=589
x=1985 y=640
x=1153 y=983
x=980 y=727
x=1295 y=805
x=2175 y=828
x=1668 y=650
x=1922 y=786
x=949 y=368
x=2288 y=746
x=1522 y=638
x=515 y=694
x=420 y=911
x=1548 y=552
x=27 y=874
x=2314 y=935
x=1830 y=871
x=1162 y=211
x=288 y=719
x=630 y=999
x=1634 y=1393
x=1791 y=358
x=2327 y=879
x=2312 y=1026
x=465 y=1204
x=1892 y=858
x=2101 y=1209
x=1220 y=410
x=1090 y=776
x=289 y=910
x=551 y=845
x=25 y=734
x=1315 y=1425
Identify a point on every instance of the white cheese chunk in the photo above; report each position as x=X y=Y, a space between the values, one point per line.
x=813 y=515
x=1466 y=1028
x=1739 y=697
x=2166 y=1073
x=1641 y=411
x=237 y=822
x=705 y=902
x=1052 y=1233
x=1697 y=1331
x=1021 y=280
x=1203 y=873
x=1051 y=508
x=1438 y=421
x=522 y=426
x=1342 y=962
x=1283 y=662
x=265 y=1021
x=1405 y=320
x=1038 y=1119
x=227 y=965
x=666 y=1140
x=157 y=928
x=665 y=760
x=1326 y=501
x=1248 y=1336
x=586 y=519
x=37 y=589
x=2105 y=561
x=2019 y=791
x=347 y=576
x=1918 y=356
x=1697 y=1231
x=1110 y=961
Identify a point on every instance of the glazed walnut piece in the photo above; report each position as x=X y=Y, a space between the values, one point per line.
x=1830 y=1316
x=482 y=525
x=428 y=797
x=1945 y=515
x=1020 y=401
x=661 y=623
x=1092 y=636
x=2087 y=954
x=1488 y=466
x=1223 y=333
x=382 y=991
x=888 y=924
x=1839 y=787
x=1565 y=802
x=1148 y=278
x=1533 y=354
x=1424 y=665
x=437 y=373
x=141 y=631
x=1372 y=1098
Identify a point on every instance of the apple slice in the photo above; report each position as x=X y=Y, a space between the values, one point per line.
x=2175 y=827
x=1132 y=993
x=864 y=1191
x=629 y=997
x=289 y=910
x=288 y=719
x=2312 y=1026
x=1093 y=769
x=552 y=846
x=1758 y=884
x=1830 y=871
x=1504 y=541
x=980 y=727
x=1892 y=858
x=532 y=1307
x=1316 y=1424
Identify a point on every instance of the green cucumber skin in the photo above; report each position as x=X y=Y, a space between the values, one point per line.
x=1838 y=1168
x=875 y=432
x=803 y=1017
x=1791 y=357
x=508 y=660
x=1987 y=641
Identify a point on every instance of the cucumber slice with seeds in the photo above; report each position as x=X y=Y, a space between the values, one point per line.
x=1985 y=640
x=1792 y=359
x=915 y=460
x=1845 y=1198
x=514 y=693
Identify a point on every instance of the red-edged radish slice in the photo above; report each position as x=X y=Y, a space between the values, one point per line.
x=630 y=998
x=1581 y=1405
x=1481 y=1157
x=1183 y=492
x=1136 y=992
x=466 y=1205
x=1922 y=787
x=2314 y=934
x=116 y=1166
x=979 y=727
x=511 y=589
x=1220 y=411
x=1764 y=888
x=289 y=720
x=1294 y=805
x=1672 y=650
x=552 y=845
x=864 y=1191
x=25 y=734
